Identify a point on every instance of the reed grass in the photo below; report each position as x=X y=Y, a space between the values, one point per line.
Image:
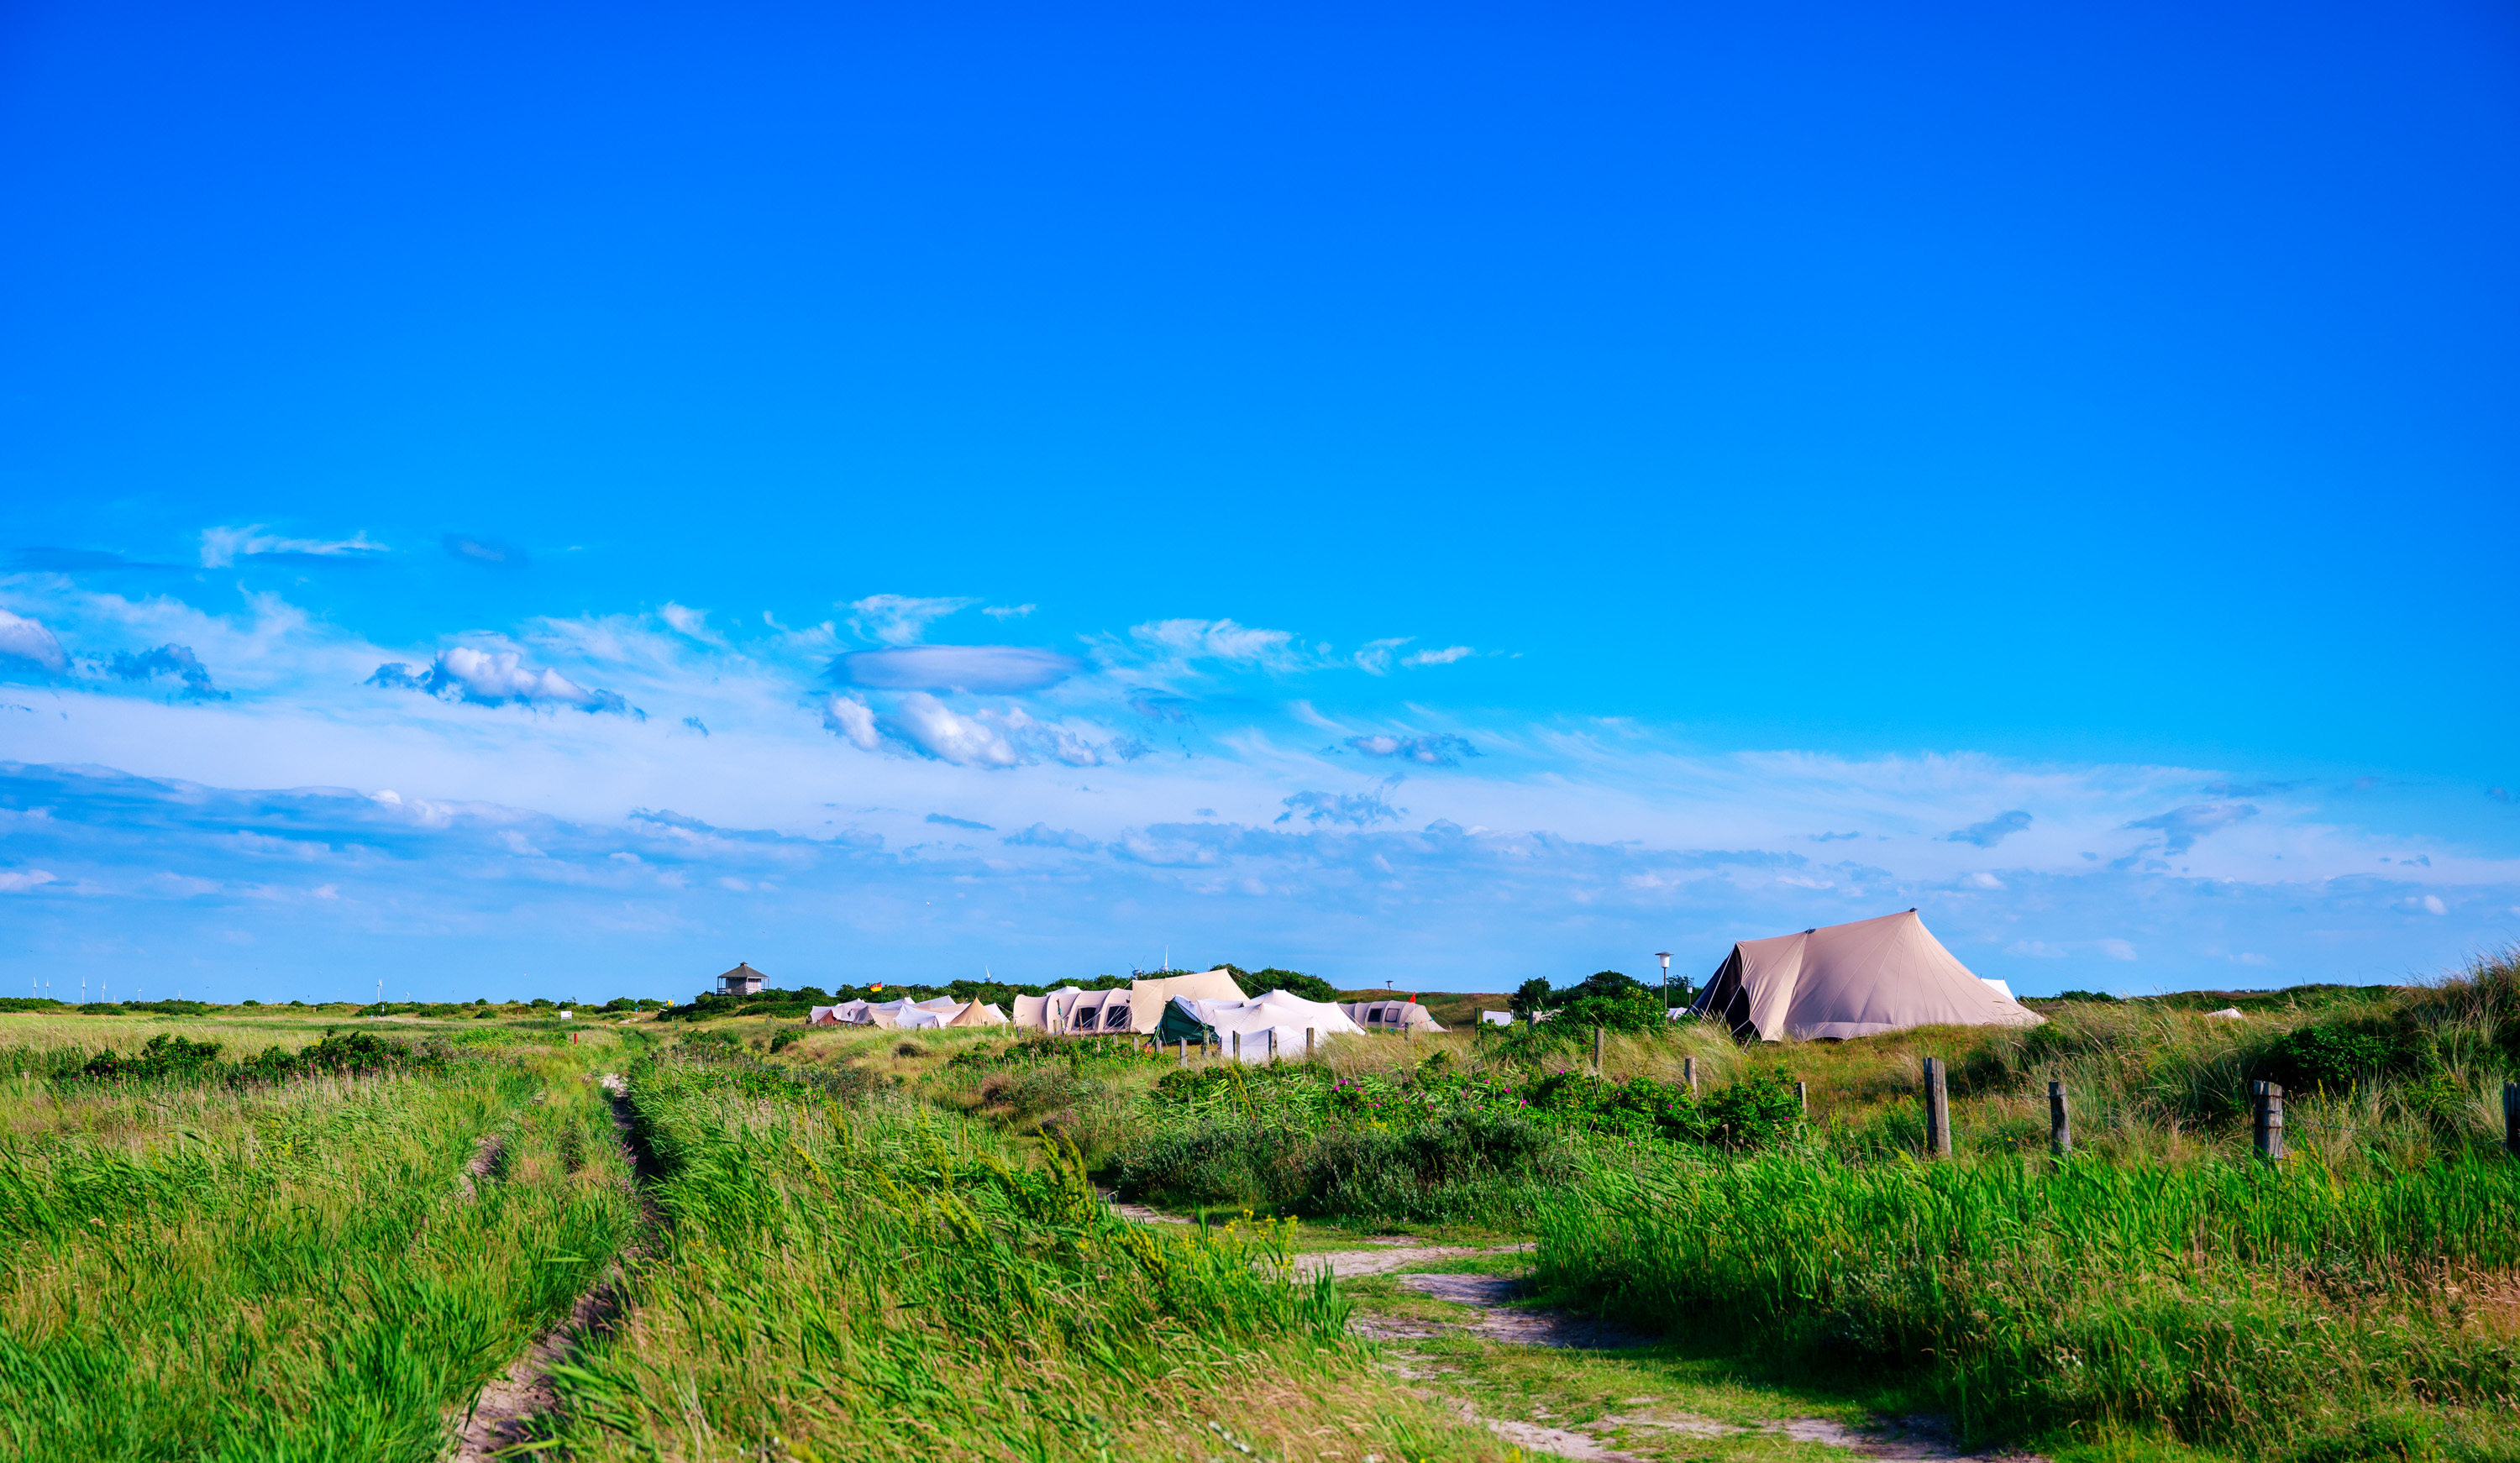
x=297 y=1271
x=894 y=1281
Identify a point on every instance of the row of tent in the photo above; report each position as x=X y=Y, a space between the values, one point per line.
x=1211 y=1008
x=912 y=1015
x=1859 y=979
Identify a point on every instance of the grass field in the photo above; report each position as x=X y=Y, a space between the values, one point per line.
x=852 y=1243
x=301 y=1270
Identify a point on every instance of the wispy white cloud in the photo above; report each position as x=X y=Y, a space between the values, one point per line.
x=1002 y=612
x=1445 y=656
x=900 y=619
x=223 y=547
x=690 y=622
x=1241 y=646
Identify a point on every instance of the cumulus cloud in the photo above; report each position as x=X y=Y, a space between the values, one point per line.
x=223 y=547
x=2423 y=904
x=1043 y=836
x=1008 y=612
x=900 y=619
x=2181 y=828
x=178 y=661
x=1992 y=831
x=940 y=732
x=1360 y=809
x=20 y=880
x=949 y=821
x=1444 y=750
x=495 y=678
x=27 y=642
x=983 y=670
x=474 y=549
x=852 y=721
x=989 y=738
x=1445 y=656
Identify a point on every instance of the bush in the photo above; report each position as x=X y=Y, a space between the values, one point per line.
x=2313 y=1058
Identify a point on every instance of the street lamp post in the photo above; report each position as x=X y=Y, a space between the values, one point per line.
x=1664 y=955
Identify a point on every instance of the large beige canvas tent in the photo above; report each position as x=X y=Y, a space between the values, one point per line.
x=1137 y=1010
x=1852 y=979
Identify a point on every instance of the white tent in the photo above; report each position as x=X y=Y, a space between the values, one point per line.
x=1390 y=1015
x=1271 y=1026
x=974 y=1013
x=1852 y=979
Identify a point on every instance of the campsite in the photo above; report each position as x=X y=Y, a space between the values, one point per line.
x=605 y=1234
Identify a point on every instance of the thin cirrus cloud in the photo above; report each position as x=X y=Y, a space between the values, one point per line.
x=900 y=619
x=223 y=547
x=2181 y=828
x=474 y=549
x=983 y=670
x=1992 y=831
x=1441 y=750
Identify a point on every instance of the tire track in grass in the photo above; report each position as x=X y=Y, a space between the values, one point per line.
x=1610 y=1437
x=504 y=1414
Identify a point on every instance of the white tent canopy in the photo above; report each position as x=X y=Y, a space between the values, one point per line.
x=1271 y=1025
x=1852 y=979
x=1390 y=1015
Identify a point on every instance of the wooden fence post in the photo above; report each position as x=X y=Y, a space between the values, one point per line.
x=2268 y=1098
x=1938 y=1111
x=1185 y=1052
x=1802 y=1096
x=1688 y=1074
x=1238 y=1046
x=2060 y=1125
x=1308 y=1043
x=2511 y=1118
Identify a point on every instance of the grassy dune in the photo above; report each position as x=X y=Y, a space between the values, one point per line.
x=895 y=1282
x=305 y=1271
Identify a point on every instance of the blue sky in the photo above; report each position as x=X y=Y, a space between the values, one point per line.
x=534 y=500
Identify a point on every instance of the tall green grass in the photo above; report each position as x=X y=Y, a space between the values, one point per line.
x=894 y=1281
x=300 y=1272
x=2220 y=1302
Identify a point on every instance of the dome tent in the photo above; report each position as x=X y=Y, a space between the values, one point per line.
x=1852 y=979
